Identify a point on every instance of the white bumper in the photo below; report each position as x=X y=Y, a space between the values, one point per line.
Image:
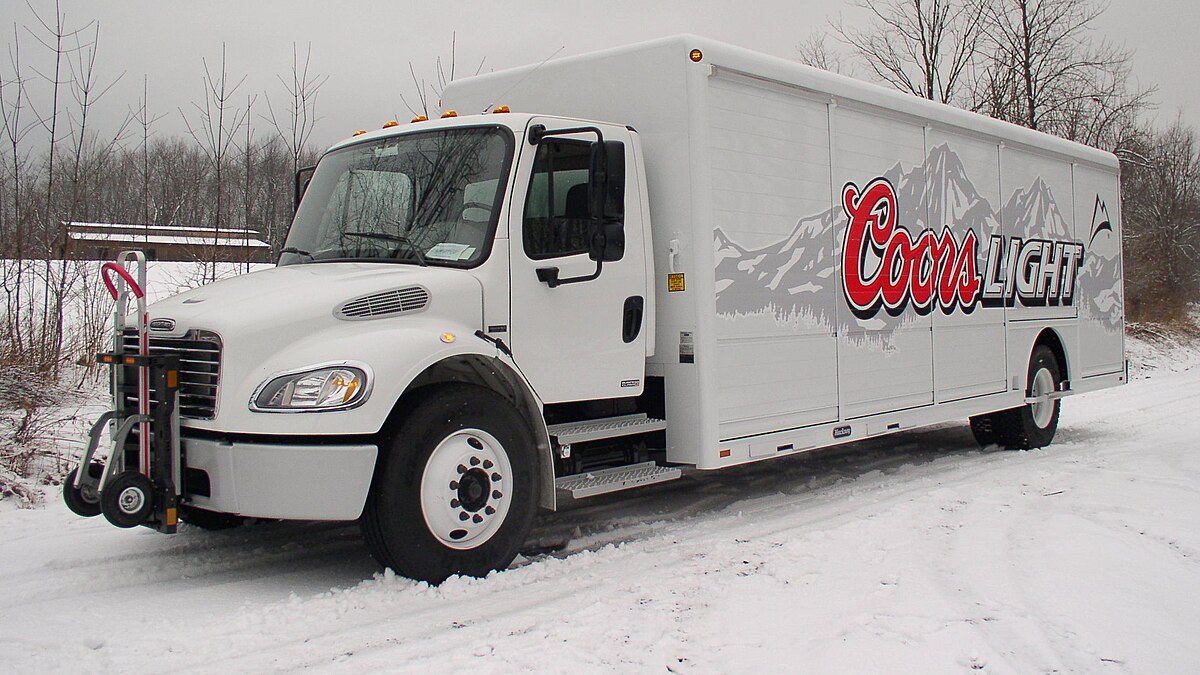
x=301 y=482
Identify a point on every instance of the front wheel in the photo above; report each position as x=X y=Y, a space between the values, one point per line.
x=455 y=492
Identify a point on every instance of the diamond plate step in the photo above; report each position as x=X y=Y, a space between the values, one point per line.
x=609 y=427
x=617 y=478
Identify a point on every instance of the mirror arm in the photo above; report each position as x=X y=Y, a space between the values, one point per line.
x=549 y=276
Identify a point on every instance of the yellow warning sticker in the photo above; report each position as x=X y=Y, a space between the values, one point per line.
x=675 y=282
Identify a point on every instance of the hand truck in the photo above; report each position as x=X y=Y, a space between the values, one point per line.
x=141 y=482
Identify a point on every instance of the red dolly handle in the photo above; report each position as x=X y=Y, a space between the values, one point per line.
x=124 y=274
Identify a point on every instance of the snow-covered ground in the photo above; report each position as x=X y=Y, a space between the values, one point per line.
x=916 y=553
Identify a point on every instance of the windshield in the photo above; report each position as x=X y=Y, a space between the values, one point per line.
x=427 y=198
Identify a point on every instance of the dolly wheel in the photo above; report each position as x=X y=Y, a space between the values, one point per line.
x=83 y=500
x=127 y=499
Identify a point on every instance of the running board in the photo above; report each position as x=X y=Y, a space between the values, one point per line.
x=608 y=427
x=617 y=478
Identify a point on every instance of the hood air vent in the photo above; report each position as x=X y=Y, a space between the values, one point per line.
x=387 y=303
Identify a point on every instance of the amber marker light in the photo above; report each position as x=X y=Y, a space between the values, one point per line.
x=448 y=337
x=449 y=113
x=696 y=55
x=419 y=118
x=391 y=123
x=501 y=109
x=360 y=132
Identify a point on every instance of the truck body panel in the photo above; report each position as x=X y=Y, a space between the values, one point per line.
x=748 y=158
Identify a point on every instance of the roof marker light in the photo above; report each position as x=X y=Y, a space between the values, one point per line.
x=449 y=113
x=360 y=132
x=501 y=109
x=391 y=123
x=420 y=118
x=696 y=55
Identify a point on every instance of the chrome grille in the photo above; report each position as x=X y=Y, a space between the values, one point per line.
x=408 y=299
x=199 y=372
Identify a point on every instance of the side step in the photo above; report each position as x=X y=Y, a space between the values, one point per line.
x=614 y=479
x=608 y=427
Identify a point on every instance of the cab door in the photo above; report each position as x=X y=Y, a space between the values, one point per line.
x=577 y=328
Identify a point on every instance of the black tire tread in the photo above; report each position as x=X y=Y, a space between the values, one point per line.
x=398 y=544
x=1014 y=428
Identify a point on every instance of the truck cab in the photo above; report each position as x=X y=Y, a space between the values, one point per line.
x=506 y=253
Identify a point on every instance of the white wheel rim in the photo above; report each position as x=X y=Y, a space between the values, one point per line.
x=130 y=500
x=466 y=489
x=1043 y=386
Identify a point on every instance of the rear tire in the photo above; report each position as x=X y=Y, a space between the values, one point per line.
x=455 y=492
x=1032 y=425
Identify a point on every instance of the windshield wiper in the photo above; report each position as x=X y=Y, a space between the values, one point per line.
x=398 y=238
x=293 y=249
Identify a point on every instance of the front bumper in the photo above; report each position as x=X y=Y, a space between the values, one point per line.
x=301 y=482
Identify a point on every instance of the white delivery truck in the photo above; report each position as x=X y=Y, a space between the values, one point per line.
x=604 y=270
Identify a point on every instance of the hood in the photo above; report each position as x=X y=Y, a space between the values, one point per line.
x=304 y=297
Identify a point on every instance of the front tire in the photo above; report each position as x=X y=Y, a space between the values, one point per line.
x=455 y=492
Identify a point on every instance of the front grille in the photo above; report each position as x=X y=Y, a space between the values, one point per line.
x=199 y=371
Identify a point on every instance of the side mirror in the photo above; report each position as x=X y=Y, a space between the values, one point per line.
x=607 y=243
x=303 y=176
x=606 y=201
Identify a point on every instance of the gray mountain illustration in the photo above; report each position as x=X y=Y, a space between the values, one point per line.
x=794 y=278
x=1033 y=210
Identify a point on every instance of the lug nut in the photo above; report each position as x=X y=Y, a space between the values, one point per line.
x=463 y=516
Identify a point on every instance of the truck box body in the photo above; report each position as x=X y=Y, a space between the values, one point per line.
x=985 y=235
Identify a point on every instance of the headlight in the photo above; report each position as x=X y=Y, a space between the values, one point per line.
x=322 y=389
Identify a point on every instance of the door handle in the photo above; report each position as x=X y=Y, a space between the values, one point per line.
x=631 y=320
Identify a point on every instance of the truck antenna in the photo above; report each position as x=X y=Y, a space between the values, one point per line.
x=518 y=82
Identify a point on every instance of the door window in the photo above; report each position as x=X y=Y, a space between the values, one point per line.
x=557 y=220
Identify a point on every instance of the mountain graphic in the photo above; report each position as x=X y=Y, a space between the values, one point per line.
x=1034 y=211
x=795 y=279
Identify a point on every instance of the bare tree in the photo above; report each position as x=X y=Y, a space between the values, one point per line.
x=248 y=175
x=1046 y=71
x=922 y=47
x=429 y=92
x=813 y=51
x=297 y=118
x=146 y=121
x=12 y=104
x=1161 y=208
x=214 y=128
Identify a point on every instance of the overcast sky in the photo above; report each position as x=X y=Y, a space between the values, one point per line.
x=365 y=47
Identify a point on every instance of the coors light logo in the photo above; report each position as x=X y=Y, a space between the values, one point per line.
x=886 y=266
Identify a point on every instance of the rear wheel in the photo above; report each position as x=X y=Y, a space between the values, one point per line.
x=1032 y=425
x=455 y=493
